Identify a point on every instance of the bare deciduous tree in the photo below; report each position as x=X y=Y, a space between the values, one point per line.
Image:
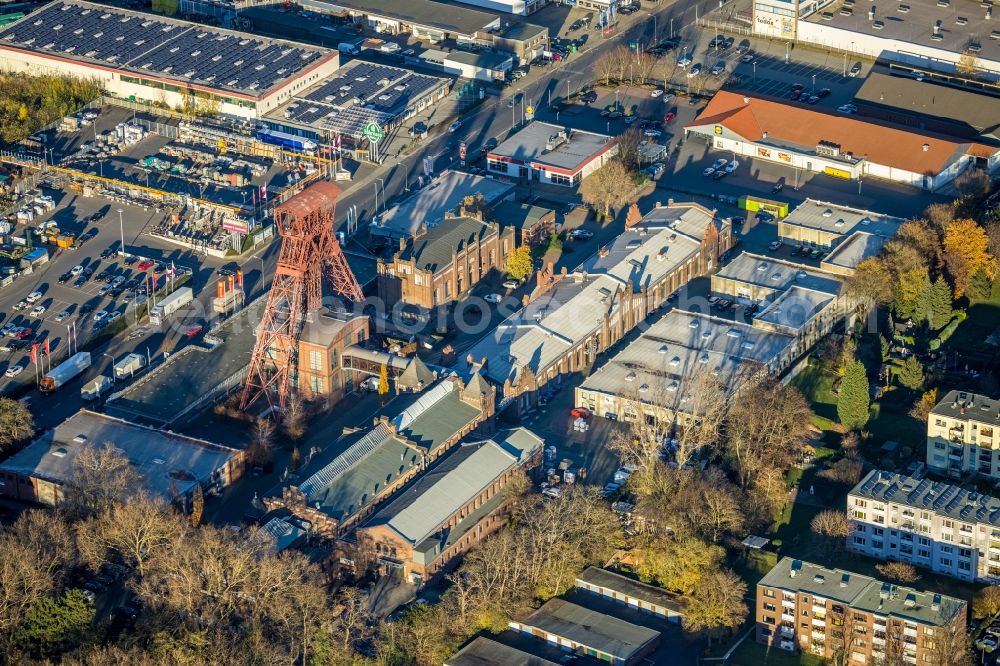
x=138 y=531
x=831 y=523
x=898 y=572
x=16 y=424
x=766 y=428
x=294 y=421
x=102 y=476
x=950 y=646
x=36 y=553
x=261 y=443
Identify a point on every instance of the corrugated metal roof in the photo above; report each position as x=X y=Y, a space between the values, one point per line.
x=460 y=477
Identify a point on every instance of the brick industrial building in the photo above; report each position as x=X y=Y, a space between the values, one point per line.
x=451 y=507
x=440 y=265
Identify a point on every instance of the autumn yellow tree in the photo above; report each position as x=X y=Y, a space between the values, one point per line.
x=383 y=382
x=519 y=263
x=966 y=250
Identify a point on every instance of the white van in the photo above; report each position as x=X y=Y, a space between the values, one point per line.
x=347 y=48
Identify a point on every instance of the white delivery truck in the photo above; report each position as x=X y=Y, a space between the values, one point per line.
x=170 y=304
x=96 y=387
x=129 y=365
x=64 y=372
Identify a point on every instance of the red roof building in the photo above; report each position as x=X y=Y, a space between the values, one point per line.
x=839 y=145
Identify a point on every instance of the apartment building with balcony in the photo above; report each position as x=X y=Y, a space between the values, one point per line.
x=963 y=435
x=801 y=606
x=934 y=525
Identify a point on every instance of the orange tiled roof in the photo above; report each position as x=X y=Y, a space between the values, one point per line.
x=900 y=148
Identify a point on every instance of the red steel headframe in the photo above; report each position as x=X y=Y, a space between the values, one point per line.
x=309 y=251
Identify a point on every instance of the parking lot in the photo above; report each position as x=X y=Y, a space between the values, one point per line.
x=80 y=299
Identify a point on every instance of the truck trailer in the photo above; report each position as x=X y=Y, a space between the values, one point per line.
x=129 y=365
x=96 y=387
x=64 y=372
x=170 y=304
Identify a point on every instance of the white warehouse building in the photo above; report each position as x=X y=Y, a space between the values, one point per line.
x=147 y=58
x=834 y=144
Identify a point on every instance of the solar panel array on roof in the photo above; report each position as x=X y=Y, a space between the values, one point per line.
x=380 y=87
x=308 y=112
x=140 y=42
x=939 y=496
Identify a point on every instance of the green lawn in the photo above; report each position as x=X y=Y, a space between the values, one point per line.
x=816 y=384
x=751 y=653
x=971 y=334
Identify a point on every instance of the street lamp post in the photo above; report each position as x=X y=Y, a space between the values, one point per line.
x=814 y=84
x=121 y=228
x=381 y=183
x=671 y=27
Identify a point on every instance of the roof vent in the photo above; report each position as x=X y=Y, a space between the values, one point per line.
x=80 y=439
x=746 y=100
x=845 y=579
x=910 y=601
x=827 y=213
x=818 y=579
x=794 y=569
x=59 y=453
x=936 y=602
x=630 y=377
x=927 y=147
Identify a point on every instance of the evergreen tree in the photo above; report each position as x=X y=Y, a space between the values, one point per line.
x=852 y=403
x=980 y=287
x=911 y=373
x=940 y=309
x=884 y=347
x=922 y=309
x=54 y=626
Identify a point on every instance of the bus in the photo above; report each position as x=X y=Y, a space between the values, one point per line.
x=752 y=204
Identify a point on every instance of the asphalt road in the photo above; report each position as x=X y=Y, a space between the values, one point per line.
x=493 y=118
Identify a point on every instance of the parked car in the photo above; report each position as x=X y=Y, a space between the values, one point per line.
x=33 y=296
x=847 y=108
x=62 y=315
x=14 y=370
x=193 y=330
x=669 y=116
x=581 y=234
x=654 y=170
x=748 y=57
x=774 y=245
x=719 y=163
x=855 y=70
x=511 y=284
x=454 y=126
x=694 y=71
x=718 y=69
x=38 y=311
x=656 y=93
x=493 y=298
x=732 y=166
x=145 y=265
